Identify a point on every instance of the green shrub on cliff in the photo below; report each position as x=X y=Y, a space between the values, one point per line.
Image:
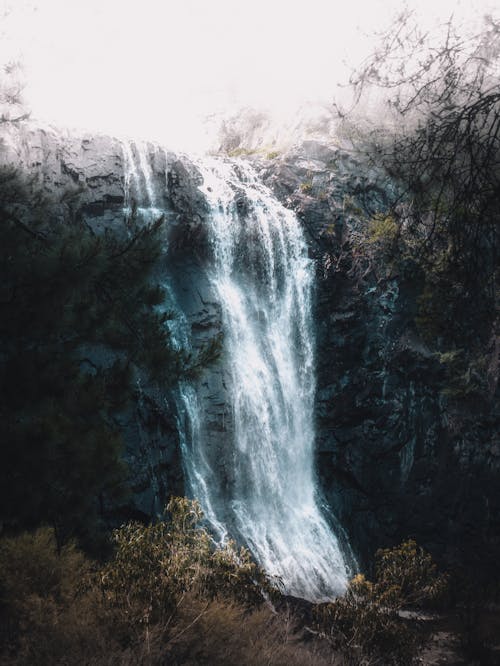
x=437 y=148
x=382 y=230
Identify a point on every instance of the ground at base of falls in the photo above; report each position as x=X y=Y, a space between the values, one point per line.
x=458 y=640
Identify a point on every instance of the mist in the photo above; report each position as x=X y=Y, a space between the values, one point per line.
x=157 y=70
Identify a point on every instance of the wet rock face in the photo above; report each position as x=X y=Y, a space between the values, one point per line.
x=67 y=167
x=395 y=458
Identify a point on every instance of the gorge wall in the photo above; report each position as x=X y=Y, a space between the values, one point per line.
x=395 y=456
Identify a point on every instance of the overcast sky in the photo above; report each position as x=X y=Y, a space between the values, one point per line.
x=149 y=68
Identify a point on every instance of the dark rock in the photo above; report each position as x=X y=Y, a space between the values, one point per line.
x=391 y=462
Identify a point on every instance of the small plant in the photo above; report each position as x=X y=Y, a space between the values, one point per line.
x=307 y=187
x=241 y=152
x=465 y=375
x=382 y=230
x=273 y=154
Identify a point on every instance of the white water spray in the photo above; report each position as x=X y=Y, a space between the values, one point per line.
x=263 y=490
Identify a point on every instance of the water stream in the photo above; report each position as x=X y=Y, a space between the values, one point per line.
x=258 y=484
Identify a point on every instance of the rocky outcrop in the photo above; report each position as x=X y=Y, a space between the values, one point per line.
x=396 y=457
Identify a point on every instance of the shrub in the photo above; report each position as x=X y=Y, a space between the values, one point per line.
x=407 y=576
x=366 y=623
x=155 y=566
x=49 y=610
x=168 y=595
x=241 y=152
x=226 y=633
x=382 y=231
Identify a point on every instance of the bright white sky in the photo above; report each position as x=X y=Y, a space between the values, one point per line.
x=150 y=68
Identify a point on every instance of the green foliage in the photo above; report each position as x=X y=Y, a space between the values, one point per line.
x=170 y=595
x=155 y=566
x=448 y=311
x=363 y=631
x=464 y=376
x=407 y=576
x=306 y=188
x=438 y=146
x=382 y=230
x=273 y=154
x=456 y=323
x=241 y=152
x=349 y=204
x=365 y=623
x=451 y=315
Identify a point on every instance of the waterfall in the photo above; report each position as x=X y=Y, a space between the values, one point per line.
x=263 y=489
x=138 y=179
x=253 y=471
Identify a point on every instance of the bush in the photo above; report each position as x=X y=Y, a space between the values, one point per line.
x=407 y=576
x=168 y=595
x=366 y=623
x=155 y=566
x=382 y=231
x=49 y=610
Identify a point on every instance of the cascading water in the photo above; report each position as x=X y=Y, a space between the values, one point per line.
x=138 y=174
x=255 y=479
x=263 y=279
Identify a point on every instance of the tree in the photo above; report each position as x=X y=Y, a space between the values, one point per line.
x=12 y=104
x=441 y=147
x=81 y=322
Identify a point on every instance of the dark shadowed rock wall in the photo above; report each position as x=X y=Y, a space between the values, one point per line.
x=84 y=176
x=396 y=456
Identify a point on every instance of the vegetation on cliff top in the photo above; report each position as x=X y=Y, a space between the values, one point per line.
x=439 y=145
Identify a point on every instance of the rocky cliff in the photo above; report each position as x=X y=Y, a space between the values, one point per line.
x=87 y=176
x=396 y=457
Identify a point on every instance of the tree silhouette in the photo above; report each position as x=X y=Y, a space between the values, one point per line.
x=82 y=320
